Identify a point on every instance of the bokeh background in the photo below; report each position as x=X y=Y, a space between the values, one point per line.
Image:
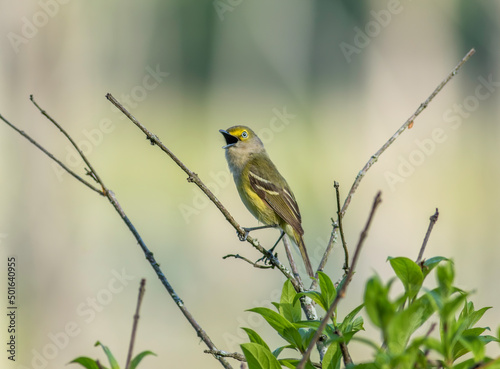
x=325 y=83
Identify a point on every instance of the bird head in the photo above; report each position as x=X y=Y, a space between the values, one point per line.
x=241 y=138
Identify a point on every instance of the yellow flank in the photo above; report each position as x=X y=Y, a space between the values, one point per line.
x=256 y=205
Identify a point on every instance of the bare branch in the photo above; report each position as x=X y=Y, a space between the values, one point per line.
x=343 y=288
x=233 y=355
x=333 y=236
x=343 y=349
x=291 y=260
x=254 y=264
x=374 y=157
x=433 y=220
x=92 y=171
x=341 y=229
x=42 y=149
x=328 y=250
x=136 y=321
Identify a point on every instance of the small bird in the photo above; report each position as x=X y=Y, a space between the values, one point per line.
x=262 y=188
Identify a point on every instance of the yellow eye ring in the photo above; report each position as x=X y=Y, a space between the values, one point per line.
x=244 y=134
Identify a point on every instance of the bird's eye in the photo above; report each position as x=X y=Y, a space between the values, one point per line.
x=244 y=134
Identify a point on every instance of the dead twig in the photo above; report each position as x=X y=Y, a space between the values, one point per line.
x=433 y=220
x=136 y=322
x=253 y=263
x=219 y=353
x=341 y=229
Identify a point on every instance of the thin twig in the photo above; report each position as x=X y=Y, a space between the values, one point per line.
x=291 y=260
x=253 y=263
x=233 y=355
x=42 y=149
x=341 y=229
x=94 y=174
x=306 y=302
x=343 y=349
x=374 y=157
x=343 y=288
x=193 y=177
x=136 y=321
x=328 y=250
x=149 y=255
x=433 y=220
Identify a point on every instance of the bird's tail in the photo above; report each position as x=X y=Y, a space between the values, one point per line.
x=299 y=240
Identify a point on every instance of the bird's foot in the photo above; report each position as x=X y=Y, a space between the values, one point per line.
x=267 y=256
x=244 y=236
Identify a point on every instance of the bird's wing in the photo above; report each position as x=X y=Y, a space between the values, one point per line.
x=277 y=195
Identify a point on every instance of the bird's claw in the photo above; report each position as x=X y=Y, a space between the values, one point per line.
x=266 y=257
x=244 y=236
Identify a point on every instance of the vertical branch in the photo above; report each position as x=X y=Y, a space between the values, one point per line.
x=291 y=260
x=341 y=229
x=433 y=220
x=136 y=321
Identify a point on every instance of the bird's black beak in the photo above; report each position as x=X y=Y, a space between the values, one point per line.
x=230 y=139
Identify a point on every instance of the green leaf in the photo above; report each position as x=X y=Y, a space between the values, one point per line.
x=406 y=322
x=138 y=358
x=465 y=364
x=409 y=273
x=255 y=338
x=292 y=363
x=277 y=352
x=434 y=344
x=445 y=276
x=332 y=357
x=259 y=357
x=475 y=345
x=347 y=323
x=471 y=316
x=377 y=303
x=284 y=328
x=431 y=263
x=367 y=366
x=492 y=363
x=289 y=306
x=459 y=349
x=86 y=362
x=449 y=308
x=327 y=288
x=111 y=358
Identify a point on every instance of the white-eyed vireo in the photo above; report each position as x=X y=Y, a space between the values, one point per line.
x=262 y=189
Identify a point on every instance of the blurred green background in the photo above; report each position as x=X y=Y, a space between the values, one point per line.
x=325 y=84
